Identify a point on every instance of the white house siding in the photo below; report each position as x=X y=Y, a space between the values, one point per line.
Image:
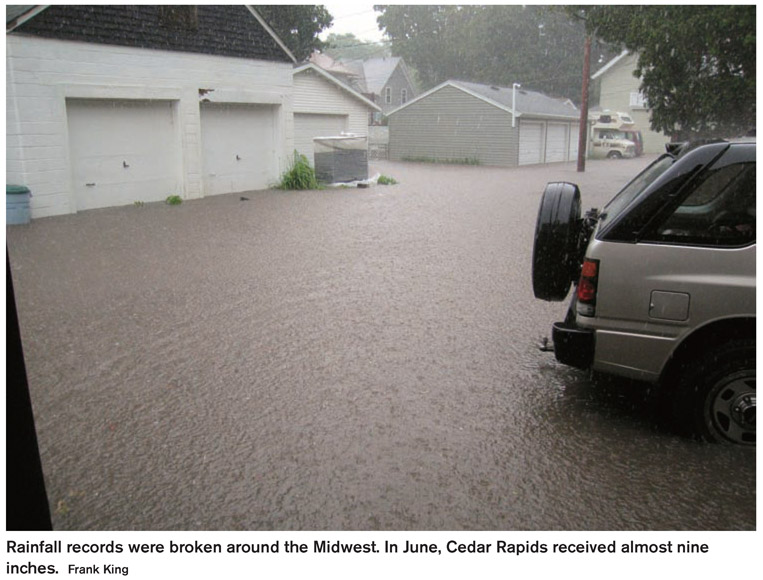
x=617 y=84
x=41 y=74
x=451 y=125
x=319 y=106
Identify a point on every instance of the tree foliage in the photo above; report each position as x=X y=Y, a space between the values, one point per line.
x=349 y=47
x=696 y=63
x=537 y=46
x=298 y=25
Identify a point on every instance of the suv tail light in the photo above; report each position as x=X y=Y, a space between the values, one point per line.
x=587 y=286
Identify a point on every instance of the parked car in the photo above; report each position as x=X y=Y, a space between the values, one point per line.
x=665 y=283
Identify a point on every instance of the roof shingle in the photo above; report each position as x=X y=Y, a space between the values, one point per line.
x=220 y=30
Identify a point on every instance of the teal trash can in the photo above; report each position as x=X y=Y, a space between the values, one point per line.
x=17 y=204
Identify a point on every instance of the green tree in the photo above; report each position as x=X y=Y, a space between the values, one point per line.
x=537 y=46
x=696 y=63
x=349 y=47
x=298 y=25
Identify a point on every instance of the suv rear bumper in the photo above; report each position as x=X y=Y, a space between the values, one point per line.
x=573 y=346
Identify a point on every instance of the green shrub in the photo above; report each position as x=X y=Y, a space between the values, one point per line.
x=299 y=176
x=384 y=180
x=173 y=200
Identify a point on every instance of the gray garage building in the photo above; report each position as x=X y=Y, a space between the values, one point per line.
x=467 y=122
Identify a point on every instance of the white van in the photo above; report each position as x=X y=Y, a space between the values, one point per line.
x=615 y=136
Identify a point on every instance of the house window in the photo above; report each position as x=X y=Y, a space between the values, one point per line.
x=388 y=95
x=403 y=96
x=637 y=100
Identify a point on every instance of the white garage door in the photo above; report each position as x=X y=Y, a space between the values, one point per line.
x=122 y=151
x=574 y=137
x=238 y=143
x=556 y=143
x=530 y=143
x=308 y=126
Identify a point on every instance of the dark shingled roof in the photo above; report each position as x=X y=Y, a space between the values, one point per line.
x=219 y=30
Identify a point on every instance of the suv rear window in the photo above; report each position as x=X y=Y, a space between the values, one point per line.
x=636 y=186
x=720 y=211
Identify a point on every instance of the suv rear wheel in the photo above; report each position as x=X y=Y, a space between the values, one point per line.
x=715 y=398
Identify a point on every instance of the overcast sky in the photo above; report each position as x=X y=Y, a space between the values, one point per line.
x=354 y=16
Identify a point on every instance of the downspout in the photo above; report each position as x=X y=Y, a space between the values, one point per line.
x=514 y=88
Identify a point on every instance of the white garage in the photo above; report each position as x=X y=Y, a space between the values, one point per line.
x=238 y=147
x=308 y=126
x=503 y=126
x=122 y=151
x=188 y=101
x=530 y=143
x=324 y=107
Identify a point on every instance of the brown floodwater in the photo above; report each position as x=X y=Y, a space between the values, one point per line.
x=352 y=359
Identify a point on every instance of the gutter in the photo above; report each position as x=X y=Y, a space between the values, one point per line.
x=25 y=17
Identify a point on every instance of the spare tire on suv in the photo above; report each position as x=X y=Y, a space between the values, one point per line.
x=556 y=250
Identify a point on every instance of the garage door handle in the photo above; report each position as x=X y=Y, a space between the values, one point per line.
x=238 y=158
x=90 y=185
x=124 y=164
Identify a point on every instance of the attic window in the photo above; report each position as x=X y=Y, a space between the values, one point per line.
x=179 y=17
x=403 y=96
x=638 y=101
x=388 y=95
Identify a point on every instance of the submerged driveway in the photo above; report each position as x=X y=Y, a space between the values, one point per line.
x=344 y=359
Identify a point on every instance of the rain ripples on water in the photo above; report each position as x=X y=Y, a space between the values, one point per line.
x=339 y=360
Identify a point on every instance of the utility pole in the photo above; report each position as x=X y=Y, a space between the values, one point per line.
x=583 y=132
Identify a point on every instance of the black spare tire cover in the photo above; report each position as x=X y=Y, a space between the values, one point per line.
x=557 y=232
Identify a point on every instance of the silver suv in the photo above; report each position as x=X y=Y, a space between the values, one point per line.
x=665 y=284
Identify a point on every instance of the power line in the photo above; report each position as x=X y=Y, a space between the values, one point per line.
x=355 y=14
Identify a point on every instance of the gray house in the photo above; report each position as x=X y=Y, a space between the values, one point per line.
x=388 y=82
x=460 y=121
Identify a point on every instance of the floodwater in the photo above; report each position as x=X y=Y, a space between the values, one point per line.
x=353 y=359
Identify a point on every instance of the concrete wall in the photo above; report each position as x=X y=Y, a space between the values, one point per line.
x=41 y=74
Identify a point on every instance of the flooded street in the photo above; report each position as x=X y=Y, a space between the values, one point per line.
x=352 y=359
